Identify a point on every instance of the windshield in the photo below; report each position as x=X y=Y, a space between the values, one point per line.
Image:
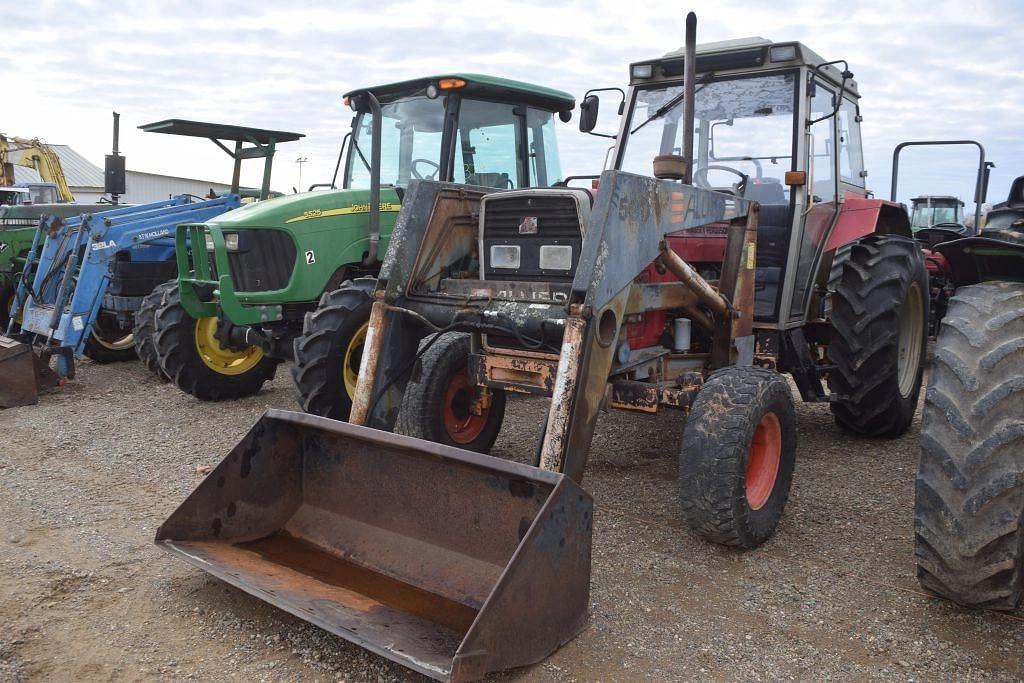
x=410 y=142
x=743 y=133
x=489 y=146
x=926 y=216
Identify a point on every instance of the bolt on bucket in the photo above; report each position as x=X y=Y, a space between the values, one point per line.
x=448 y=562
x=22 y=374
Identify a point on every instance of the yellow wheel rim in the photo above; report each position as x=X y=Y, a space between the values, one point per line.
x=353 y=357
x=221 y=360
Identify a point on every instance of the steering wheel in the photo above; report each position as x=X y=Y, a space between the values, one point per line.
x=700 y=178
x=416 y=174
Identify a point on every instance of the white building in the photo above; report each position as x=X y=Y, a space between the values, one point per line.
x=151 y=187
x=86 y=181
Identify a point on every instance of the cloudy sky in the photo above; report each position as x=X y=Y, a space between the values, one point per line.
x=936 y=70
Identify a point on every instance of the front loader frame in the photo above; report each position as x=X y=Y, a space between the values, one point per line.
x=630 y=210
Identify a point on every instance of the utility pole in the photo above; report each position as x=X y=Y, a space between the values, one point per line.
x=300 y=161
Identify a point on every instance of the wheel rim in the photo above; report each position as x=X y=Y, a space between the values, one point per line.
x=461 y=424
x=115 y=344
x=763 y=460
x=221 y=360
x=911 y=326
x=353 y=358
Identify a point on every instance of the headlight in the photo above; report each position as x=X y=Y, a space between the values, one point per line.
x=230 y=241
x=504 y=256
x=555 y=257
x=782 y=53
x=643 y=70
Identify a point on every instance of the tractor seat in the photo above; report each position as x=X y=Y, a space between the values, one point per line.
x=765 y=191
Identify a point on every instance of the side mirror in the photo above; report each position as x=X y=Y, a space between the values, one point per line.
x=588 y=113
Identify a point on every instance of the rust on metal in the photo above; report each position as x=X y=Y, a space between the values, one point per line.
x=332 y=522
x=508 y=371
x=737 y=286
x=743 y=292
x=692 y=279
x=23 y=374
x=659 y=296
x=369 y=363
x=648 y=397
x=556 y=434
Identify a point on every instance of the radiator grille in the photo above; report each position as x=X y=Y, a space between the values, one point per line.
x=557 y=222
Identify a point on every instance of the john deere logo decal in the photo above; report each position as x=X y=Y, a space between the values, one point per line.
x=385 y=207
x=528 y=225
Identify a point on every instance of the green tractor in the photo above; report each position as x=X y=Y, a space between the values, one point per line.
x=250 y=280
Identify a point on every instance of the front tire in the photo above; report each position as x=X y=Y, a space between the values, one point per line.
x=194 y=360
x=330 y=348
x=738 y=454
x=442 y=405
x=969 y=507
x=879 y=336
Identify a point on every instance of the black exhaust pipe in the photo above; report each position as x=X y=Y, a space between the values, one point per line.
x=689 y=91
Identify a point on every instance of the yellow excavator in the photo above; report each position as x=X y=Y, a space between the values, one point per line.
x=33 y=154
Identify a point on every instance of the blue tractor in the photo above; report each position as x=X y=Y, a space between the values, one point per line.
x=65 y=284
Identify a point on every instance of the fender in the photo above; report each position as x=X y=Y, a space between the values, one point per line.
x=861 y=216
x=976 y=259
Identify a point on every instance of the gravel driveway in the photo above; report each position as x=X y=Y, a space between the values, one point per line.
x=87 y=476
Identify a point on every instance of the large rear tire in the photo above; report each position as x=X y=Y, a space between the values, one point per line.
x=194 y=360
x=330 y=348
x=144 y=330
x=879 y=336
x=738 y=454
x=440 y=401
x=969 y=508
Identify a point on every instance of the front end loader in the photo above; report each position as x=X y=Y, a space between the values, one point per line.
x=592 y=300
x=64 y=283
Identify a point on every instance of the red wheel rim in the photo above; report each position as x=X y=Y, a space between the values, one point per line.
x=763 y=461
x=461 y=424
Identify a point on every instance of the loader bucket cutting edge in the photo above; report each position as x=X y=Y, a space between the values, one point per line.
x=23 y=374
x=448 y=562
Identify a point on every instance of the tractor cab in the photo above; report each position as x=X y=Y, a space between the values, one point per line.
x=773 y=123
x=468 y=128
x=930 y=211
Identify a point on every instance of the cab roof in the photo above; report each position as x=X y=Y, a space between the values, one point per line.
x=490 y=87
x=741 y=55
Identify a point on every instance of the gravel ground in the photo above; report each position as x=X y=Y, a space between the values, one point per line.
x=87 y=476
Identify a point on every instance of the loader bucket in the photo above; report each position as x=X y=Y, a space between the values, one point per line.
x=22 y=374
x=448 y=562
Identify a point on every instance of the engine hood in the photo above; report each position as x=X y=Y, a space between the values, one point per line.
x=307 y=209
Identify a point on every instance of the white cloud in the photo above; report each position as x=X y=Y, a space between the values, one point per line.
x=925 y=69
